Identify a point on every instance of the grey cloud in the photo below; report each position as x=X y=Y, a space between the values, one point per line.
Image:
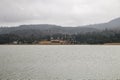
x=61 y=12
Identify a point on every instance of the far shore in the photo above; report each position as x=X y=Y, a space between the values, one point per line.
x=64 y=44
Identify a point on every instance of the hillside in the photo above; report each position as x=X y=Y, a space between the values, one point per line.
x=46 y=29
x=113 y=24
x=54 y=29
x=90 y=34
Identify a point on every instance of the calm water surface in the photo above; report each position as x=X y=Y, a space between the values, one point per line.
x=35 y=62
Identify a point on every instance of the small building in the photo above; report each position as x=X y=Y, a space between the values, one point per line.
x=58 y=42
x=53 y=42
x=15 y=42
x=45 y=42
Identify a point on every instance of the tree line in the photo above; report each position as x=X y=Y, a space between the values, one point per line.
x=100 y=37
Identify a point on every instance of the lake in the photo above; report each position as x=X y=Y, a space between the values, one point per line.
x=59 y=62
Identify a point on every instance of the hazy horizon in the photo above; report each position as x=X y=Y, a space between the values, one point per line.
x=56 y=24
x=58 y=12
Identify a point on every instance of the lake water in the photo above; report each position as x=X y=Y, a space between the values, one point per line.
x=59 y=62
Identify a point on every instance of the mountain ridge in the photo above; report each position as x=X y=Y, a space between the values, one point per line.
x=54 y=29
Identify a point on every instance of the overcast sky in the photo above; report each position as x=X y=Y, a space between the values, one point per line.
x=60 y=12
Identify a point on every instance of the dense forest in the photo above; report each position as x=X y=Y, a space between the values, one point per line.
x=101 y=37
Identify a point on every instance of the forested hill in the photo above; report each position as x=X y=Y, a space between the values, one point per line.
x=46 y=29
x=97 y=33
x=113 y=24
x=53 y=29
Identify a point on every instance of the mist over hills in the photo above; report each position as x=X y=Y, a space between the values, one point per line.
x=89 y=34
x=113 y=24
x=46 y=28
x=54 y=29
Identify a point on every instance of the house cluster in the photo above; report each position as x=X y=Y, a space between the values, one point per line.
x=53 y=42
